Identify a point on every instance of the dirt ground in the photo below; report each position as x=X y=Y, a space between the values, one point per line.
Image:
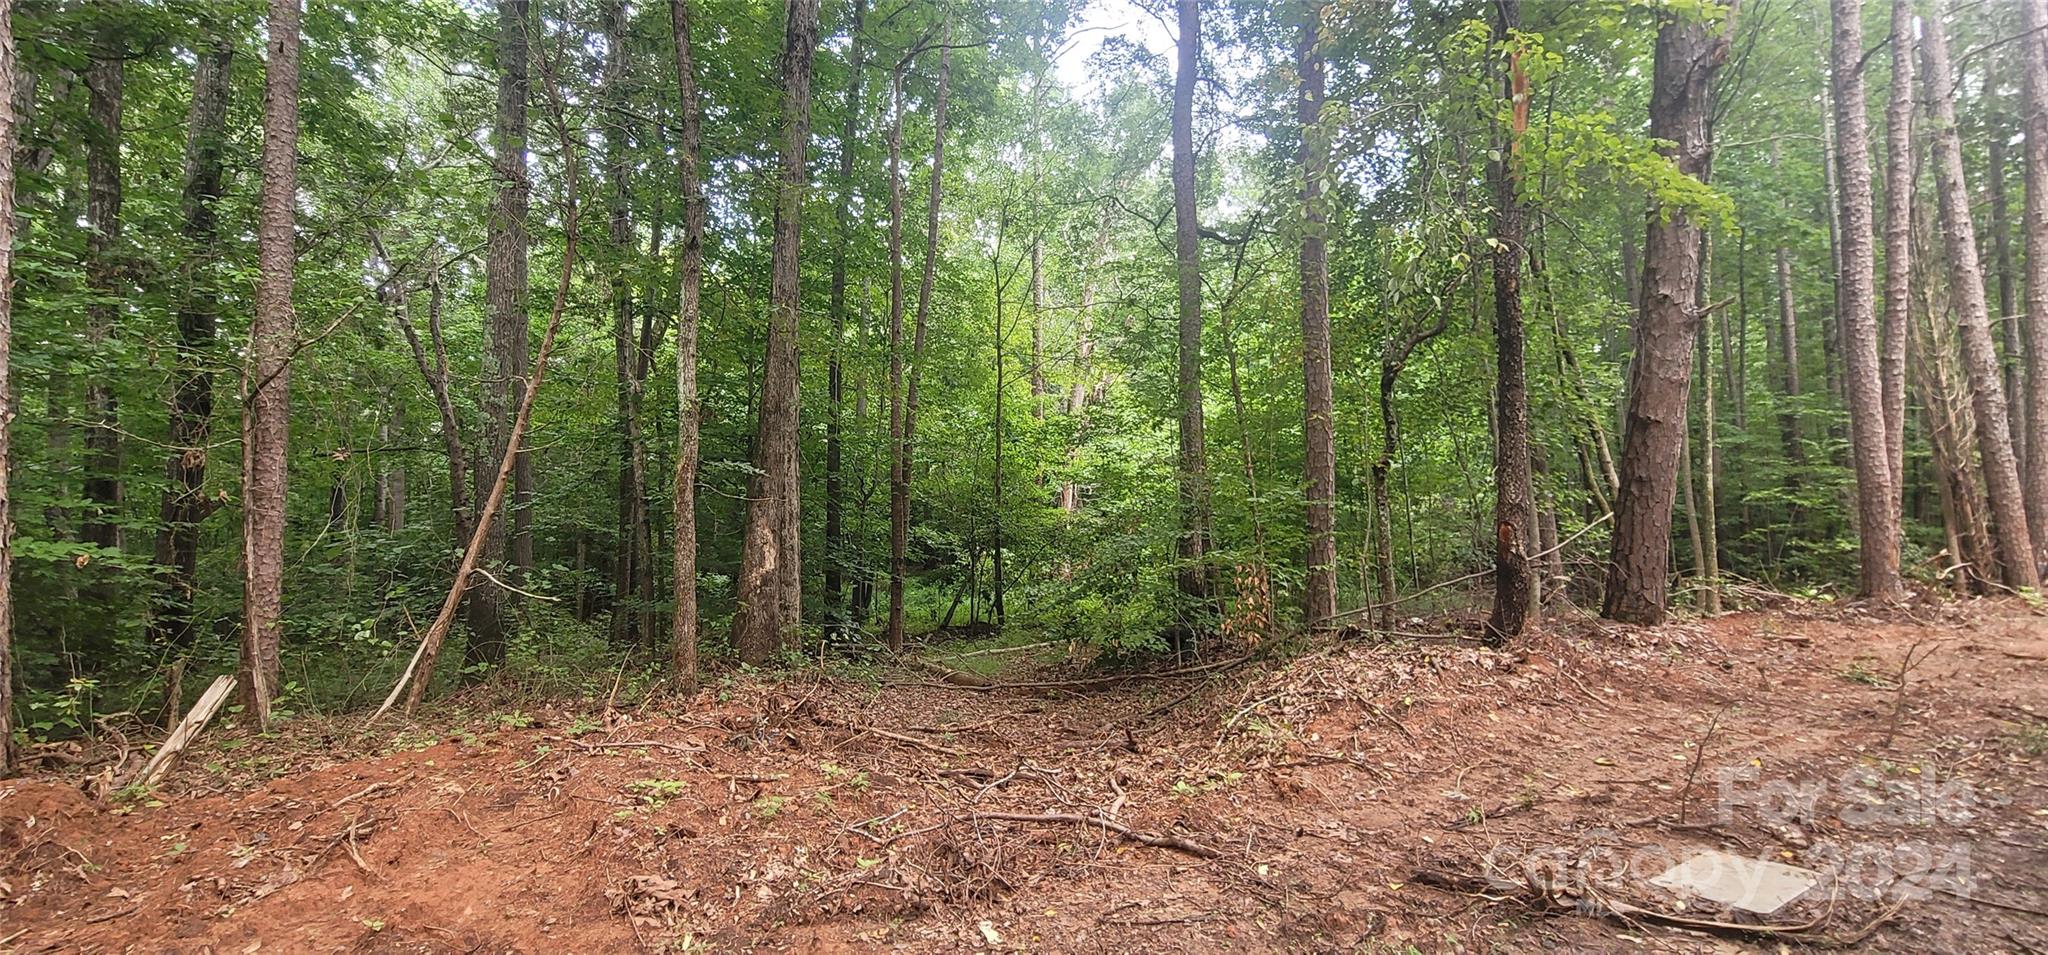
x=1356 y=796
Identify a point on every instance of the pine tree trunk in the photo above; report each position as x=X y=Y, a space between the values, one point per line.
x=628 y=598
x=1980 y=356
x=1898 y=250
x=1653 y=442
x=185 y=504
x=2034 y=226
x=1319 y=455
x=1709 y=556
x=1877 y=520
x=505 y=347
x=266 y=415
x=1191 y=468
x=1514 y=514
x=2011 y=330
x=835 y=373
x=8 y=137
x=1788 y=356
x=899 y=477
x=683 y=633
x=768 y=593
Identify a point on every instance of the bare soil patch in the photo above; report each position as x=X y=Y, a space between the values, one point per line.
x=1355 y=797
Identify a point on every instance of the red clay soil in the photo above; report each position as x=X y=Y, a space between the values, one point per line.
x=1357 y=797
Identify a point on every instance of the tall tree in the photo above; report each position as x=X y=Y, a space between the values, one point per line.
x=8 y=137
x=683 y=630
x=105 y=81
x=1653 y=441
x=2034 y=226
x=769 y=596
x=1191 y=466
x=2015 y=546
x=266 y=402
x=835 y=372
x=185 y=503
x=1319 y=455
x=505 y=292
x=629 y=557
x=1514 y=514
x=1863 y=372
x=1898 y=248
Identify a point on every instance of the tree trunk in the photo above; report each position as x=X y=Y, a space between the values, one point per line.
x=1191 y=467
x=505 y=347
x=2006 y=319
x=1877 y=519
x=768 y=593
x=266 y=415
x=185 y=503
x=435 y=373
x=1514 y=513
x=689 y=415
x=1709 y=542
x=2034 y=223
x=1788 y=355
x=627 y=599
x=1319 y=441
x=1951 y=431
x=835 y=374
x=1653 y=443
x=105 y=271
x=1898 y=251
x=8 y=137
x=1980 y=356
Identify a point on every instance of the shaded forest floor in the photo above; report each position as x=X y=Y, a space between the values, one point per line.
x=1356 y=796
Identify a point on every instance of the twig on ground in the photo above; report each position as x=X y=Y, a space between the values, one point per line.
x=1158 y=841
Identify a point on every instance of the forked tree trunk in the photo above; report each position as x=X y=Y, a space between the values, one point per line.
x=185 y=504
x=1319 y=454
x=768 y=593
x=1191 y=467
x=1966 y=279
x=689 y=414
x=1898 y=248
x=1877 y=520
x=266 y=414
x=1653 y=443
x=1514 y=512
x=2034 y=225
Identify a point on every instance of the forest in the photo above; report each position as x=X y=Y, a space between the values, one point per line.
x=825 y=376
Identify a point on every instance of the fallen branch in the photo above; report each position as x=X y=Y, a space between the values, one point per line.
x=187 y=730
x=1156 y=841
x=1404 y=598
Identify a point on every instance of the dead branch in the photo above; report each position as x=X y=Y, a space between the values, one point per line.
x=1157 y=841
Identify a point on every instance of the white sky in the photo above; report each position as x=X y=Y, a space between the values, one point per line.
x=1097 y=22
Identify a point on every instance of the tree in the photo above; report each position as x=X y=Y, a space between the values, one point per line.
x=1653 y=441
x=689 y=413
x=835 y=371
x=2034 y=227
x=1514 y=514
x=105 y=79
x=769 y=595
x=185 y=504
x=1898 y=250
x=1191 y=468
x=266 y=401
x=505 y=283
x=8 y=137
x=1980 y=356
x=1319 y=455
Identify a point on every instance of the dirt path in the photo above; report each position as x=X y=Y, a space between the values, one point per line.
x=1358 y=797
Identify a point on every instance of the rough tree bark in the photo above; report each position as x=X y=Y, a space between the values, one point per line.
x=1191 y=467
x=1980 y=356
x=1514 y=512
x=1319 y=454
x=2011 y=329
x=1877 y=520
x=1653 y=441
x=769 y=595
x=835 y=374
x=185 y=504
x=1898 y=248
x=7 y=236
x=2034 y=225
x=683 y=625
x=266 y=415
x=505 y=283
